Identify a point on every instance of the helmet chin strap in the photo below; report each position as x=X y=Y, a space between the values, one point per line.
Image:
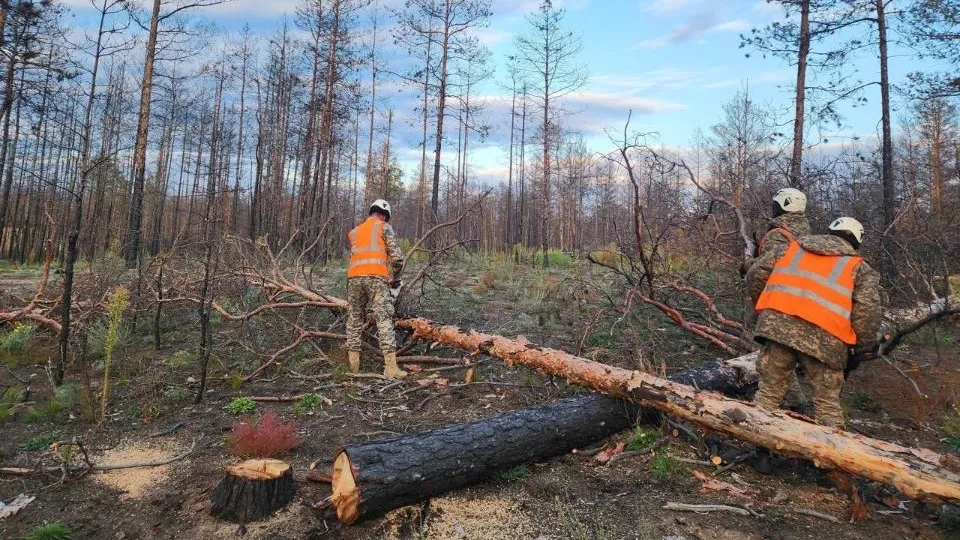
x=777 y=210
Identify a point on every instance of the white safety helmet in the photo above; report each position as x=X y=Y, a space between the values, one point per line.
x=791 y=200
x=382 y=206
x=848 y=225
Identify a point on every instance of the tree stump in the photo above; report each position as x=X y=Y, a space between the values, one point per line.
x=253 y=490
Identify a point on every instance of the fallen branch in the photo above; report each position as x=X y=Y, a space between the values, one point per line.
x=814 y=513
x=288 y=399
x=705 y=508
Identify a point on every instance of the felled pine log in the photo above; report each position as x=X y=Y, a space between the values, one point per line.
x=374 y=477
x=253 y=490
x=916 y=472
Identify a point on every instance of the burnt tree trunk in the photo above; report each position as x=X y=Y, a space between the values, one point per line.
x=375 y=477
x=372 y=478
x=253 y=490
x=918 y=473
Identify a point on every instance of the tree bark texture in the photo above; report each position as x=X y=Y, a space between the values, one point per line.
x=253 y=490
x=370 y=479
x=917 y=473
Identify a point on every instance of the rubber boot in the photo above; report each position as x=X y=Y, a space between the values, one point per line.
x=354 y=358
x=390 y=368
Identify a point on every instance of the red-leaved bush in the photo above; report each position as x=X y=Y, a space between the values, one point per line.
x=265 y=439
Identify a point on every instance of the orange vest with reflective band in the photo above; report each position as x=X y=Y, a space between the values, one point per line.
x=368 y=251
x=815 y=288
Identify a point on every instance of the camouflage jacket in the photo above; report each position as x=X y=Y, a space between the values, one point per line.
x=393 y=250
x=797 y=225
x=805 y=337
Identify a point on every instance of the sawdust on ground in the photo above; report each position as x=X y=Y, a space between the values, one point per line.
x=458 y=517
x=135 y=482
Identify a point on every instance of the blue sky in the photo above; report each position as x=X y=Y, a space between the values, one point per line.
x=673 y=62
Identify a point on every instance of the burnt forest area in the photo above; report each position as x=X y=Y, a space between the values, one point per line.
x=178 y=178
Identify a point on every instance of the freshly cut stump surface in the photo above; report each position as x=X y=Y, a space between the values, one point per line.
x=253 y=490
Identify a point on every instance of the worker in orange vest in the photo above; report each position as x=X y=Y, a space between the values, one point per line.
x=789 y=207
x=372 y=274
x=819 y=305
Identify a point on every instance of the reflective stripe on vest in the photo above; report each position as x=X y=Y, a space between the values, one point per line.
x=368 y=251
x=815 y=288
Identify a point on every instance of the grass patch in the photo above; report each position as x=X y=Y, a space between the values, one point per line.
x=863 y=400
x=182 y=358
x=951 y=431
x=10 y=397
x=45 y=412
x=40 y=443
x=307 y=404
x=555 y=259
x=241 y=405
x=50 y=531
x=663 y=465
x=514 y=474
x=641 y=437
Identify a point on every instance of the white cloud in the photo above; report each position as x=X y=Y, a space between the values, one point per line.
x=700 y=25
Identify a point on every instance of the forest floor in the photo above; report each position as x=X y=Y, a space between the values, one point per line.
x=567 y=497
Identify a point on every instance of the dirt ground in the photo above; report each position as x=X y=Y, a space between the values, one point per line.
x=566 y=497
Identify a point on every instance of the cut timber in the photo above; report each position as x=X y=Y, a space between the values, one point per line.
x=372 y=478
x=917 y=473
x=385 y=487
x=253 y=490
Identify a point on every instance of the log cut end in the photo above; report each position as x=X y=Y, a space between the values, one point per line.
x=253 y=490
x=346 y=493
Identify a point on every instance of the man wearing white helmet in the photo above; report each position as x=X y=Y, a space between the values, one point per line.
x=375 y=263
x=789 y=221
x=819 y=303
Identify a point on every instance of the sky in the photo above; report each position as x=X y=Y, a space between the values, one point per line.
x=673 y=63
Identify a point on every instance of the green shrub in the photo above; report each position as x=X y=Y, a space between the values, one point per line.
x=115 y=308
x=308 y=403
x=241 y=405
x=176 y=394
x=40 y=443
x=555 y=259
x=16 y=340
x=50 y=531
x=68 y=395
x=97 y=338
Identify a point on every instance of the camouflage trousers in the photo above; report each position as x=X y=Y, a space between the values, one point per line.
x=776 y=367
x=370 y=293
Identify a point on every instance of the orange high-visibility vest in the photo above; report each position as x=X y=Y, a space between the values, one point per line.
x=815 y=288
x=368 y=251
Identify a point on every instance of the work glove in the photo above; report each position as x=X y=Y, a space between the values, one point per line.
x=856 y=357
x=395 y=287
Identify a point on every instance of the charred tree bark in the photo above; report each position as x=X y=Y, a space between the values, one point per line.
x=917 y=473
x=372 y=478
x=253 y=490
x=375 y=477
